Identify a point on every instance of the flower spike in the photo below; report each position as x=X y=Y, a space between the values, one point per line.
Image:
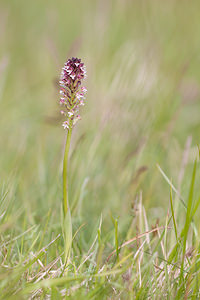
x=72 y=94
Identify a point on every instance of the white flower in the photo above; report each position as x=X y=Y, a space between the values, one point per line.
x=70 y=114
x=65 y=125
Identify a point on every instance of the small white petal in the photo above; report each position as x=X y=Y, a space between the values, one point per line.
x=65 y=125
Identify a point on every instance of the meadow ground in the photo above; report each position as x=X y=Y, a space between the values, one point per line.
x=134 y=160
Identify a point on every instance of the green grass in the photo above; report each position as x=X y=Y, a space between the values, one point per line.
x=134 y=157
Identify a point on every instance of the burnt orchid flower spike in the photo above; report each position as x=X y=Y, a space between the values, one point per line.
x=72 y=98
x=72 y=94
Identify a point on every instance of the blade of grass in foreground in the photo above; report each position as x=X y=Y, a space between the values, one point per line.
x=173 y=216
x=172 y=186
x=47 y=283
x=188 y=218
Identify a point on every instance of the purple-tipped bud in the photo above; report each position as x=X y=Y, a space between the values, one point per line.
x=72 y=94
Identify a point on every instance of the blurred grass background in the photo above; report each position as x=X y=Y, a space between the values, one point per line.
x=142 y=60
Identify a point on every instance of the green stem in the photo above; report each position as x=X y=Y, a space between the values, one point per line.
x=65 y=170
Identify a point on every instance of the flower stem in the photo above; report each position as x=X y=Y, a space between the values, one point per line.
x=65 y=170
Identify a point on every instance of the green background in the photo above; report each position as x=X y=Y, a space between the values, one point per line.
x=142 y=106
